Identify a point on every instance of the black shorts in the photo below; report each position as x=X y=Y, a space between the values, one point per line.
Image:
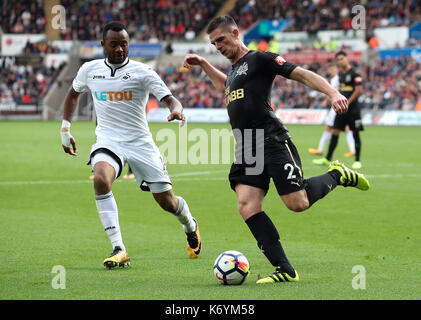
x=352 y=119
x=281 y=163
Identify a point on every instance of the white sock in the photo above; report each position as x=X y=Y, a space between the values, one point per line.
x=184 y=216
x=351 y=141
x=324 y=140
x=108 y=213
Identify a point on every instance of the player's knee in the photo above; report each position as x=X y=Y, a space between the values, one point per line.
x=101 y=184
x=243 y=207
x=247 y=209
x=335 y=133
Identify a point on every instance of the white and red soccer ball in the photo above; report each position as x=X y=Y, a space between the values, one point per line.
x=231 y=268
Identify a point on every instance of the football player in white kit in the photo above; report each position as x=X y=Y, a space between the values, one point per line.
x=332 y=71
x=120 y=90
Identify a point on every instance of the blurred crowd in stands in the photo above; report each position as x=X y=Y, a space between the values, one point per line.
x=393 y=84
x=150 y=21
x=192 y=87
x=42 y=47
x=25 y=84
x=183 y=19
x=316 y=15
x=146 y=20
x=22 y=16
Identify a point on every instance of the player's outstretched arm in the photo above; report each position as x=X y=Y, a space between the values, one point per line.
x=70 y=104
x=316 y=82
x=217 y=77
x=175 y=108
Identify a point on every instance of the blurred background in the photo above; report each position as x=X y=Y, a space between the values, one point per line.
x=43 y=44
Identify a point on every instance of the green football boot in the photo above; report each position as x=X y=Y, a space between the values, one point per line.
x=279 y=276
x=321 y=162
x=357 y=165
x=350 y=178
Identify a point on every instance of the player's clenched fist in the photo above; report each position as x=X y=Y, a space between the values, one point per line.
x=192 y=59
x=339 y=103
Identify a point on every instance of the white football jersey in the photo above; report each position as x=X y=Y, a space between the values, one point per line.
x=120 y=94
x=334 y=82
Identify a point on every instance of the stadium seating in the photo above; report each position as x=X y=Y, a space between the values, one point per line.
x=22 y=17
x=176 y=19
x=391 y=84
x=312 y=16
x=384 y=86
x=145 y=20
x=25 y=85
x=193 y=88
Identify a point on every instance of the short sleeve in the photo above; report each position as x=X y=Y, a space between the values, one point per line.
x=155 y=85
x=358 y=80
x=80 y=81
x=276 y=64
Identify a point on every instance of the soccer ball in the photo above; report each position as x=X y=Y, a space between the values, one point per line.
x=231 y=268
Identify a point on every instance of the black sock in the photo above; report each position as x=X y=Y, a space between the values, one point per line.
x=357 y=140
x=267 y=237
x=332 y=145
x=318 y=187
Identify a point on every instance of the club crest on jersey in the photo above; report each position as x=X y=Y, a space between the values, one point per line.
x=126 y=77
x=113 y=95
x=242 y=69
x=279 y=60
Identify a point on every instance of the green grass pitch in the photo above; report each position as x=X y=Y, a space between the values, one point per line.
x=48 y=218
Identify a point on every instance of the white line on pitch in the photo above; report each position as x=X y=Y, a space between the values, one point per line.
x=176 y=175
x=186 y=176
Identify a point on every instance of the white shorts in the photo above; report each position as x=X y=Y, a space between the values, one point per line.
x=330 y=118
x=144 y=159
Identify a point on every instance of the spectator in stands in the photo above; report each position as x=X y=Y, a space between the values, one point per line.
x=147 y=20
x=26 y=98
x=86 y=18
x=26 y=84
x=273 y=45
x=393 y=84
x=263 y=45
x=23 y=16
x=312 y=16
x=252 y=45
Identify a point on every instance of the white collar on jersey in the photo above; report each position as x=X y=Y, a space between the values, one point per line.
x=115 y=66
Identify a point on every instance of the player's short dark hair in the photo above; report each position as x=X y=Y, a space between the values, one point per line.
x=340 y=53
x=114 y=26
x=221 y=22
x=331 y=63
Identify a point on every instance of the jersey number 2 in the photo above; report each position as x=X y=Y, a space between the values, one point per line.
x=290 y=167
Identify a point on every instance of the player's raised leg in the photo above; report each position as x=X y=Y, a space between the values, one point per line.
x=316 y=188
x=179 y=208
x=104 y=175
